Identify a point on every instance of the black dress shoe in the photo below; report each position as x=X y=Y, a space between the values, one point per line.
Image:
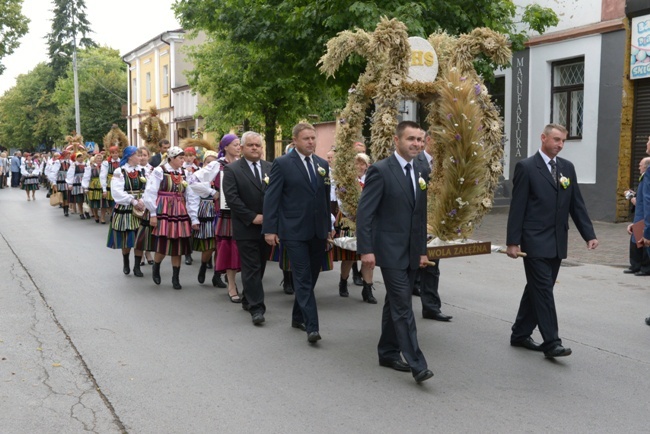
x=398 y=365
x=299 y=325
x=527 y=343
x=630 y=271
x=642 y=273
x=423 y=375
x=313 y=337
x=258 y=318
x=557 y=351
x=647 y=320
x=438 y=316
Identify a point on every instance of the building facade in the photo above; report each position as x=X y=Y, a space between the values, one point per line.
x=156 y=76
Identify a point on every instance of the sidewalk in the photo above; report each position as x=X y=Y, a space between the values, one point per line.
x=613 y=240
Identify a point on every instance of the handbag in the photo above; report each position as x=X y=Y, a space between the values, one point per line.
x=137 y=213
x=56 y=199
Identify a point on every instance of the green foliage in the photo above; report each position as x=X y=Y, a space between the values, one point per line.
x=69 y=27
x=263 y=54
x=13 y=26
x=102 y=91
x=31 y=114
x=26 y=116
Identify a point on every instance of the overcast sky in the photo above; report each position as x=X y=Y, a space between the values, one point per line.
x=120 y=24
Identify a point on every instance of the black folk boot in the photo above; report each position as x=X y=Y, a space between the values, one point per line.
x=136 y=267
x=356 y=275
x=287 y=282
x=175 y=278
x=126 y=269
x=366 y=293
x=217 y=282
x=343 y=287
x=155 y=272
x=204 y=266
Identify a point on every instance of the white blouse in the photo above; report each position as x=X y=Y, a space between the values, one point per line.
x=201 y=180
x=150 y=196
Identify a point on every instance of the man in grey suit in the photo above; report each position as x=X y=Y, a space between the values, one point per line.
x=391 y=233
x=545 y=192
x=297 y=212
x=244 y=184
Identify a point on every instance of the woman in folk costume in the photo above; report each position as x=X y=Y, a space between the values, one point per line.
x=348 y=258
x=73 y=180
x=127 y=186
x=106 y=174
x=93 y=188
x=30 y=172
x=144 y=239
x=202 y=183
x=173 y=211
x=189 y=167
x=227 y=253
x=57 y=176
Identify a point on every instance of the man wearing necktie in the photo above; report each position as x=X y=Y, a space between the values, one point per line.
x=391 y=233
x=244 y=187
x=296 y=212
x=545 y=192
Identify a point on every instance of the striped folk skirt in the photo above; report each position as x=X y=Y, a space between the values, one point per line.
x=29 y=183
x=203 y=239
x=174 y=227
x=144 y=239
x=123 y=228
x=95 y=193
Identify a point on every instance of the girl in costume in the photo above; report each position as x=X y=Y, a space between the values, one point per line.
x=172 y=209
x=189 y=167
x=73 y=180
x=57 y=176
x=144 y=239
x=227 y=253
x=30 y=172
x=106 y=174
x=93 y=188
x=127 y=186
x=202 y=184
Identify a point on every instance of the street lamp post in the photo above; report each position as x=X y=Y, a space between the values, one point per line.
x=77 y=115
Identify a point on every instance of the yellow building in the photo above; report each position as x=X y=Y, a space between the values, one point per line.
x=156 y=74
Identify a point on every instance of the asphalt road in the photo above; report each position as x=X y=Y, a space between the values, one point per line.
x=84 y=348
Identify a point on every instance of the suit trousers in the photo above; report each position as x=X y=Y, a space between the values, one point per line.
x=253 y=255
x=398 y=331
x=429 y=280
x=639 y=260
x=306 y=259
x=15 y=179
x=537 y=306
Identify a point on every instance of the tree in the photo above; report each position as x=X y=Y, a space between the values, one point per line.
x=26 y=116
x=70 y=29
x=288 y=38
x=13 y=26
x=102 y=91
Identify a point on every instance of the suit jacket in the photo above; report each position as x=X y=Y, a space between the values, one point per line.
x=390 y=223
x=539 y=211
x=642 y=210
x=292 y=209
x=155 y=160
x=245 y=197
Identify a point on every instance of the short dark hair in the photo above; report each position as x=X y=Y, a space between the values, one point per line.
x=404 y=125
x=163 y=142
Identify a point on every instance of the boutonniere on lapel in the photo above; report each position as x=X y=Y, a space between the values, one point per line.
x=266 y=179
x=423 y=185
x=322 y=172
x=564 y=181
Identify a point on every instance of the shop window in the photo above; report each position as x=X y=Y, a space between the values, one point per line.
x=568 y=90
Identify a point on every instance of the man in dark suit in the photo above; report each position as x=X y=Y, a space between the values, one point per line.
x=244 y=184
x=163 y=145
x=639 y=260
x=429 y=276
x=643 y=208
x=296 y=211
x=545 y=192
x=391 y=233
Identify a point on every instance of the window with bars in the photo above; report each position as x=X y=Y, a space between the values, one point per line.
x=568 y=89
